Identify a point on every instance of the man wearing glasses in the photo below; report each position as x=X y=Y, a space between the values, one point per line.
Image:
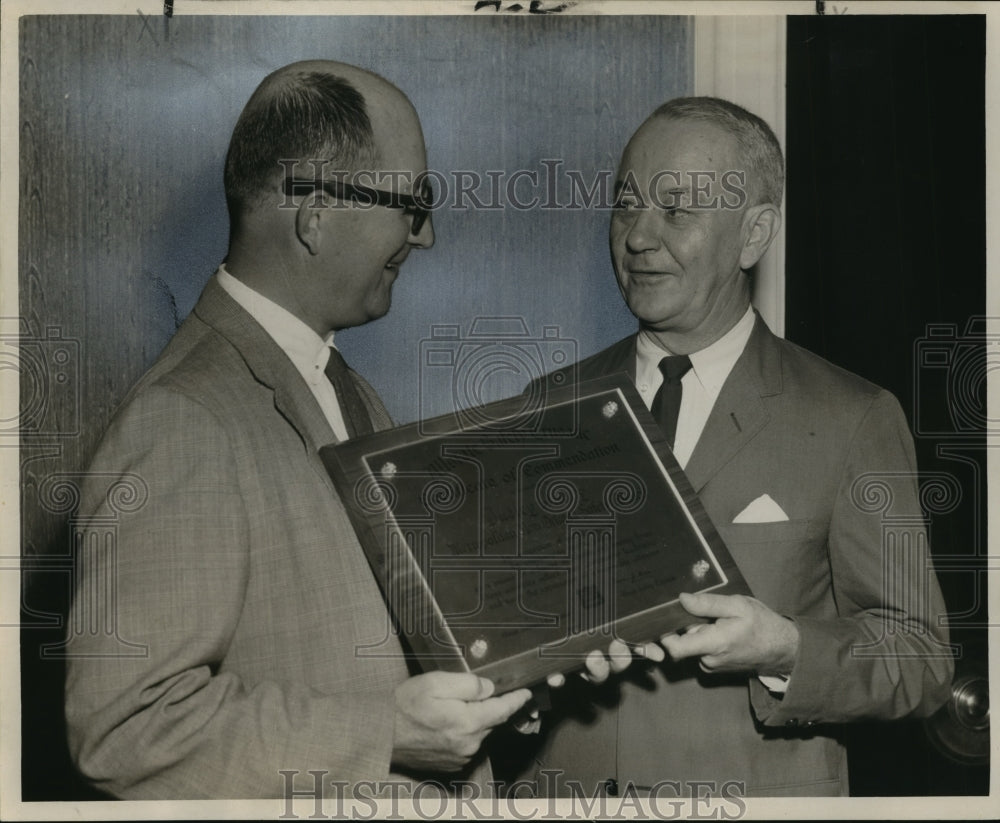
x=241 y=575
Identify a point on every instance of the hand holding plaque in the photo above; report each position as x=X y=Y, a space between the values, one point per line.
x=442 y=717
x=746 y=636
x=512 y=539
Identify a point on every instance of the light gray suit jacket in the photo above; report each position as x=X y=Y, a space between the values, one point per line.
x=849 y=565
x=269 y=646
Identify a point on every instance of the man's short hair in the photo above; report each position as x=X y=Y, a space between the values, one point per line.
x=300 y=115
x=758 y=147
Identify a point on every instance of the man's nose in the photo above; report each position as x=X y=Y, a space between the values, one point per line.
x=424 y=238
x=642 y=235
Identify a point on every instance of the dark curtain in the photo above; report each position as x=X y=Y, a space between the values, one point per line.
x=886 y=276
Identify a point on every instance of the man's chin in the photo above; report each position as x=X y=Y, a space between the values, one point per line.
x=380 y=309
x=653 y=317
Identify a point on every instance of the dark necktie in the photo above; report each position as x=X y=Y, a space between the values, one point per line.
x=355 y=413
x=667 y=402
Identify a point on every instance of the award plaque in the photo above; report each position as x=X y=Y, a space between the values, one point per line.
x=513 y=538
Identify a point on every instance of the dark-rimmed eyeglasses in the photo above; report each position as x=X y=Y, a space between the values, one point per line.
x=417 y=206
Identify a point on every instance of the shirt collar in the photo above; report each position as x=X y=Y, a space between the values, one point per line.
x=711 y=365
x=303 y=346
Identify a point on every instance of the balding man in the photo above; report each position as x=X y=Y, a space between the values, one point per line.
x=269 y=664
x=795 y=461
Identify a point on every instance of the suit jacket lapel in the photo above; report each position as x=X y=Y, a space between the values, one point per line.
x=740 y=410
x=268 y=363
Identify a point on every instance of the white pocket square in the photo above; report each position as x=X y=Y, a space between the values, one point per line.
x=762 y=510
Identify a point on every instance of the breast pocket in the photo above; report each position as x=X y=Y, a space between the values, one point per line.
x=784 y=563
x=738 y=534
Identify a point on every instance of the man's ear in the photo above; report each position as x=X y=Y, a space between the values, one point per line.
x=760 y=227
x=309 y=222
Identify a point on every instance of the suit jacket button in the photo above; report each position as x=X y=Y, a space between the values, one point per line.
x=611 y=787
x=792 y=722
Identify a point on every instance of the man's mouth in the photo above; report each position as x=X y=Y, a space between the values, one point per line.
x=395 y=263
x=647 y=273
x=642 y=268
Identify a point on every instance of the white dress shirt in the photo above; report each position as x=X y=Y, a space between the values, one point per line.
x=308 y=351
x=701 y=385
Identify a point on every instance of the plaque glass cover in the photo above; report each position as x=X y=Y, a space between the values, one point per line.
x=513 y=538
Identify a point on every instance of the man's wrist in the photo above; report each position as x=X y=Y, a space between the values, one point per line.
x=787 y=652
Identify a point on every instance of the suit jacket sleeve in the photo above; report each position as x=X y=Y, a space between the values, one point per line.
x=885 y=655
x=177 y=722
